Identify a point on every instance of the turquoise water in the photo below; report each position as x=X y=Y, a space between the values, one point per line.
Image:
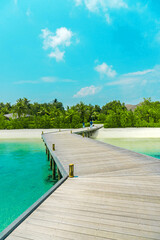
x=24 y=177
x=147 y=146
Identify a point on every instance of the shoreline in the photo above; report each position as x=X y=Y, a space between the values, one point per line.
x=127 y=133
x=101 y=133
x=24 y=133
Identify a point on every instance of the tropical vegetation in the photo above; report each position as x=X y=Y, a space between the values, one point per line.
x=24 y=114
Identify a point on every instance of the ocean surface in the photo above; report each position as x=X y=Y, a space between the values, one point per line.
x=148 y=146
x=24 y=177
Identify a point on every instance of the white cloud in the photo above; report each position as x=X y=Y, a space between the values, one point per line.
x=27 y=82
x=138 y=78
x=45 y=33
x=139 y=73
x=108 y=19
x=46 y=79
x=86 y=91
x=95 y=5
x=103 y=6
x=62 y=37
x=123 y=81
x=115 y=3
x=57 y=54
x=51 y=79
x=92 y=5
x=57 y=41
x=78 y=2
x=28 y=12
x=104 y=69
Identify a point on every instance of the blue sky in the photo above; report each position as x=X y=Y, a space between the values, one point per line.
x=93 y=51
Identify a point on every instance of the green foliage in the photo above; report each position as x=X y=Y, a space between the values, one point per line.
x=102 y=117
x=114 y=114
x=114 y=106
x=2 y=122
x=21 y=107
x=145 y=115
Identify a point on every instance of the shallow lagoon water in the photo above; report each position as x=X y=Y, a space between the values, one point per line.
x=148 y=146
x=24 y=177
x=24 y=171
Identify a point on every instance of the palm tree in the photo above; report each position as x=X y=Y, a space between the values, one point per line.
x=21 y=107
x=81 y=108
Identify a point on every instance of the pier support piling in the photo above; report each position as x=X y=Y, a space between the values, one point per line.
x=48 y=155
x=51 y=162
x=71 y=170
x=53 y=169
x=46 y=149
x=59 y=174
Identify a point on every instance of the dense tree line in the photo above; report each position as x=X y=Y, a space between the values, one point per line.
x=25 y=114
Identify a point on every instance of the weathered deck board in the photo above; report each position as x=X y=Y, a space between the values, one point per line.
x=115 y=195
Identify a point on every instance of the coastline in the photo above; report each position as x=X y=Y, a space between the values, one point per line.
x=127 y=133
x=101 y=133
x=24 y=133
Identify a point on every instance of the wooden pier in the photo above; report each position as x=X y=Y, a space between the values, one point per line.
x=115 y=194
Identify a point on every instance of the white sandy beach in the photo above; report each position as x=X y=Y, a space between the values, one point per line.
x=127 y=133
x=102 y=133
x=24 y=133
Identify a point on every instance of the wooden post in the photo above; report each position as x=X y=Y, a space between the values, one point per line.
x=42 y=132
x=71 y=131
x=53 y=169
x=59 y=130
x=83 y=134
x=53 y=147
x=46 y=149
x=51 y=159
x=48 y=155
x=71 y=170
x=59 y=174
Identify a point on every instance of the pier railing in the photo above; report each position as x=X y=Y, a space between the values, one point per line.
x=55 y=164
x=87 y=132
